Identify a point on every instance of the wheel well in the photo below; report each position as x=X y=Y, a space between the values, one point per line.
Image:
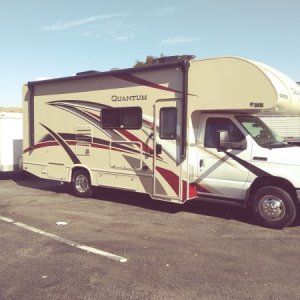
x=81 y=169
x=272 y=181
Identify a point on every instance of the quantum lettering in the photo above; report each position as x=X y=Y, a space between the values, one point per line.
x=116 y=98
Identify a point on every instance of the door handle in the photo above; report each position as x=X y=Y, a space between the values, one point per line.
x=201 y=162
x=158 y=149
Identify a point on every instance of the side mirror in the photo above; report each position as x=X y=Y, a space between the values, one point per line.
x=224 y=142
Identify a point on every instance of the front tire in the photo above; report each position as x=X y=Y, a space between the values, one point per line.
x=81 y=184
x=273 y=207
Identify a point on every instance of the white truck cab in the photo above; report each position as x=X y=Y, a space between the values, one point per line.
x=243 y=162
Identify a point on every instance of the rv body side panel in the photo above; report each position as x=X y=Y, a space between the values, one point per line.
x=68 y=133
x=10 y=141
x=234 y=84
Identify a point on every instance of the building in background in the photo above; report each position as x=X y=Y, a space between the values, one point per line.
x=11 y=109
x=11 y=139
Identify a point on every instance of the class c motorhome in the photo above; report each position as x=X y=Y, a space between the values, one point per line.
x=176 y=130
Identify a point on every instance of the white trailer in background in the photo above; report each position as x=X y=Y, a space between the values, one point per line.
x=286 y=125
x=176 y=130
x=11 y=137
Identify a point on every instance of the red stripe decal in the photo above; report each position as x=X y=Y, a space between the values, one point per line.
x=93 y=115
x=41 y=145
x=71 y=143
x=133 y=138
x=173 y=181
x=140 y=81
x=201 y=189
x=171 y=178
x=184 y=190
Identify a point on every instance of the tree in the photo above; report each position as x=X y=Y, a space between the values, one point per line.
x=148 y=61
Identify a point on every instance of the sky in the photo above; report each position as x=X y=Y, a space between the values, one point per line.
x=57 y=38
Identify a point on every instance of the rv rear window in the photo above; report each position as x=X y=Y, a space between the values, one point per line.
x=121 y=117
x=168 y=123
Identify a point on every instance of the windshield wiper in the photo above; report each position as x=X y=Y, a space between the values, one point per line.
x=275 y=145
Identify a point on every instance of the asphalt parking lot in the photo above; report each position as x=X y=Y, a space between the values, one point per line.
x=121 y=245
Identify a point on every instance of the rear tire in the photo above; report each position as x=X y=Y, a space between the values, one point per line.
x=273 y=207
x=81 y=184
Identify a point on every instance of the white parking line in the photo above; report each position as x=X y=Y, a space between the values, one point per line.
x=62 y=240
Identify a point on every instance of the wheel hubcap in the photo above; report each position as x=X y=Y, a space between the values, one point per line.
x=272 y=208
x=82 y=184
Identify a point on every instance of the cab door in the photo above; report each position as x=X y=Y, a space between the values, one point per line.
x=223 y=173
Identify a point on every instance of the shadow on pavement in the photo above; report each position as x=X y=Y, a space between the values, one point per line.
x=134 y=199
x=28 y=180
x=140 y=200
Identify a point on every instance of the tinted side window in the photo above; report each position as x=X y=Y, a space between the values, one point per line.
x=111 y=118
x=214 y=125
x=168 y=123
x=131 y=117
x=124 y=117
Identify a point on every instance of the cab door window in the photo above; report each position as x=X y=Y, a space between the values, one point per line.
x=213 y=128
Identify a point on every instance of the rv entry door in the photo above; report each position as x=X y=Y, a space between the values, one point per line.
x=166 y=148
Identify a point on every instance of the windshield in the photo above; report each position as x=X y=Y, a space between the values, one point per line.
x=260 y=132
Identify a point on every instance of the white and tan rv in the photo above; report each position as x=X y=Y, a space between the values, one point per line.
x=177 y=130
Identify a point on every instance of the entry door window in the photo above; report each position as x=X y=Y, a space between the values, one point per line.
x=168 y=123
